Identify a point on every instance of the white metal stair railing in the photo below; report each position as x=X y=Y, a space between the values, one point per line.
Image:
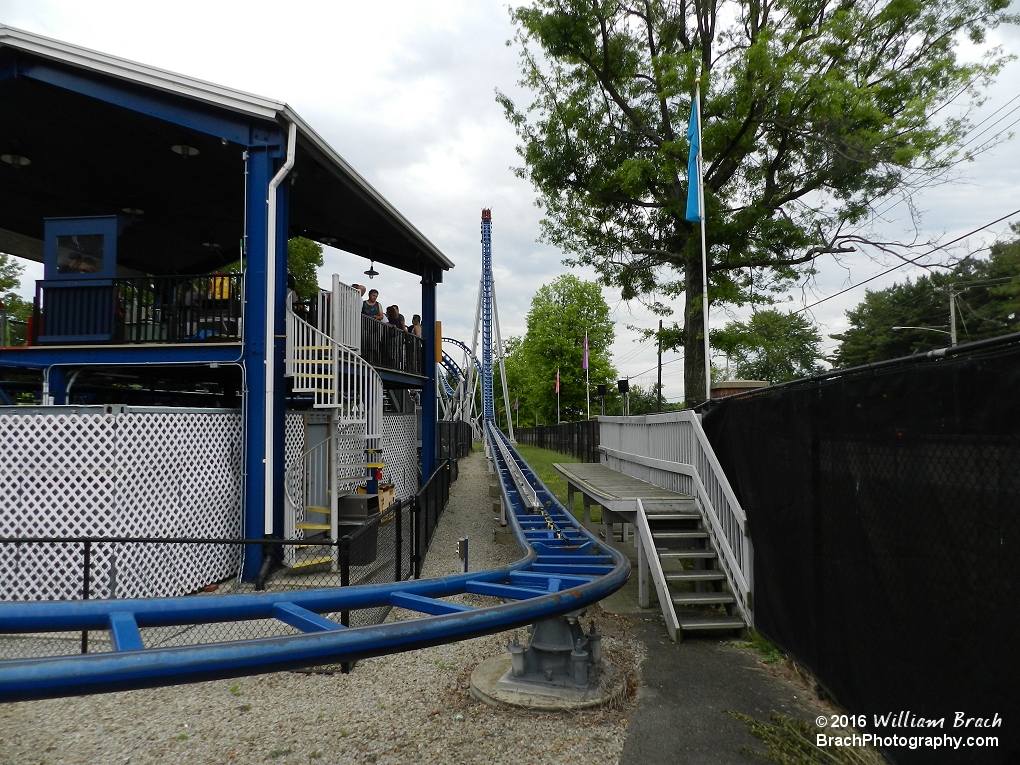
x=672 y=451
x=648 y=561
x=343 y=382
x=306 y=495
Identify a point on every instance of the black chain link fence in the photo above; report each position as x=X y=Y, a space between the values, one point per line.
x=454 y=440
x=578 y=439
x=389 y=546
x=884 y=507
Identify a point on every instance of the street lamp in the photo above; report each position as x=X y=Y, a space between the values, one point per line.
x=933 y=329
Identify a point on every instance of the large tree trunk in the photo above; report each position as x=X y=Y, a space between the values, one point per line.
x=694 y=338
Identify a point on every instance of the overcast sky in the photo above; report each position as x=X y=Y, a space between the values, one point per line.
x=405 y=92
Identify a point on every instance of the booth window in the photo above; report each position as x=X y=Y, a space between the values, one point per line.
x=80 y=254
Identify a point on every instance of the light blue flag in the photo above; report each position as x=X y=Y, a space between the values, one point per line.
x=693 y=176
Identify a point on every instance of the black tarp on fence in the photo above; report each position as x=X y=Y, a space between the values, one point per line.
x=884 y=507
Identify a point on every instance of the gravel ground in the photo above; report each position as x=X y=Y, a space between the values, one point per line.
x=408 y=708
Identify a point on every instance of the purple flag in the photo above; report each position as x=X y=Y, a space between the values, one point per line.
x=584 y=364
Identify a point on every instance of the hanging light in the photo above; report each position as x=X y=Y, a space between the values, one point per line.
x=371 y=273
x=184 y=150
x=132 y=211
x=15 y=160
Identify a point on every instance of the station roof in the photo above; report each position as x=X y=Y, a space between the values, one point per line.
x=97 y=150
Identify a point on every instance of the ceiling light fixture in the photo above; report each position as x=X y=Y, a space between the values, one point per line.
x=15 y=160
x=132 y=211
x=371 y=273
x=184 y=150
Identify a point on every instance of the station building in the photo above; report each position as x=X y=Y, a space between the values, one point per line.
x=174 y=397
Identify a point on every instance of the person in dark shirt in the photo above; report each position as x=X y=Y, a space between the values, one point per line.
x=371 y=306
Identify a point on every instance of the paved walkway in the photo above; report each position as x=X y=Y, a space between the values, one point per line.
x=687 y=688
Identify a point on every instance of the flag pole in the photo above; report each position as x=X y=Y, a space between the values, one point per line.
x=587 y=375
x=704 y=249
x=557 y=395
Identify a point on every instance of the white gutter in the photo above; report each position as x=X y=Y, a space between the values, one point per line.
x=270 y=362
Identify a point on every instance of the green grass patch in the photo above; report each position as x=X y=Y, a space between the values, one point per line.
x=770 y=654
x=541 y=461
x=790 y=741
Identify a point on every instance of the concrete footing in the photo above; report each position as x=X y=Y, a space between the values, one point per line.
x=493 y=683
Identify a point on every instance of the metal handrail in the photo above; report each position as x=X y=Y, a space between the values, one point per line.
x=685 y=451
x=648 y=559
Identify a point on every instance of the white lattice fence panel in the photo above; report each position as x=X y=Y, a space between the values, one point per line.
x=400 y=453
x=294 y=474
x=130 y=474
x=349 y=456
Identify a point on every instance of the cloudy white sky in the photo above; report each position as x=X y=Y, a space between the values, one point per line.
x=404 y=90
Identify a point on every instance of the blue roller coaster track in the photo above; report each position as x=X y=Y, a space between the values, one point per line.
x=564 y=569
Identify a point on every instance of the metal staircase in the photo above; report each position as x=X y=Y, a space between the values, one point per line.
x=340 y=381
x=692 y=589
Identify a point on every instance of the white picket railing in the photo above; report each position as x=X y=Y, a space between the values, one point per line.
x=671 y=450
x=346 y=315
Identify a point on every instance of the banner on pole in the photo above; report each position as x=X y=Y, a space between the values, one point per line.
x=694 y=190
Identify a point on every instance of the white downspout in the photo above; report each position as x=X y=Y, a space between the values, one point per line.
x=271 y=325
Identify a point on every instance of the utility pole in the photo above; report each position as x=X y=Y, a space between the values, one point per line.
x=952 y=316
x=658 y=403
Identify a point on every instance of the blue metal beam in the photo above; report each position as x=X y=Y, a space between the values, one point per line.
x=302 y=619
x=260 y=168
x=247 y=131
x=430 y=394
x=124 y=631
x=41 y=356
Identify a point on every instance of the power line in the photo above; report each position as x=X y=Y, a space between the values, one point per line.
x=912 y=261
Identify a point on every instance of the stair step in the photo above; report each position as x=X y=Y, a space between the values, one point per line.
x=707 y=575
x=316 y=509
x=312 y=526
x=711 y=623
x=672 y=516
x=658 y=535
x=701 y=598
x=698 y=554
x=313 y=562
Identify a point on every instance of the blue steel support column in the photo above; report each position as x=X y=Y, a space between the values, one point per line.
x=488 y=408
x=56 y=378
x=429 y=399
x=280 y=352
x=258 y=174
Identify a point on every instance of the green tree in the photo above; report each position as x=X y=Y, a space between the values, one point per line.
x=561 y=313
x=986 y=298
x=303 y=257
x=15 y=306
x=812 y=111
x=771 y=345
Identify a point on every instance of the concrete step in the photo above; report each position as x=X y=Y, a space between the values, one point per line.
x=702 y=598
